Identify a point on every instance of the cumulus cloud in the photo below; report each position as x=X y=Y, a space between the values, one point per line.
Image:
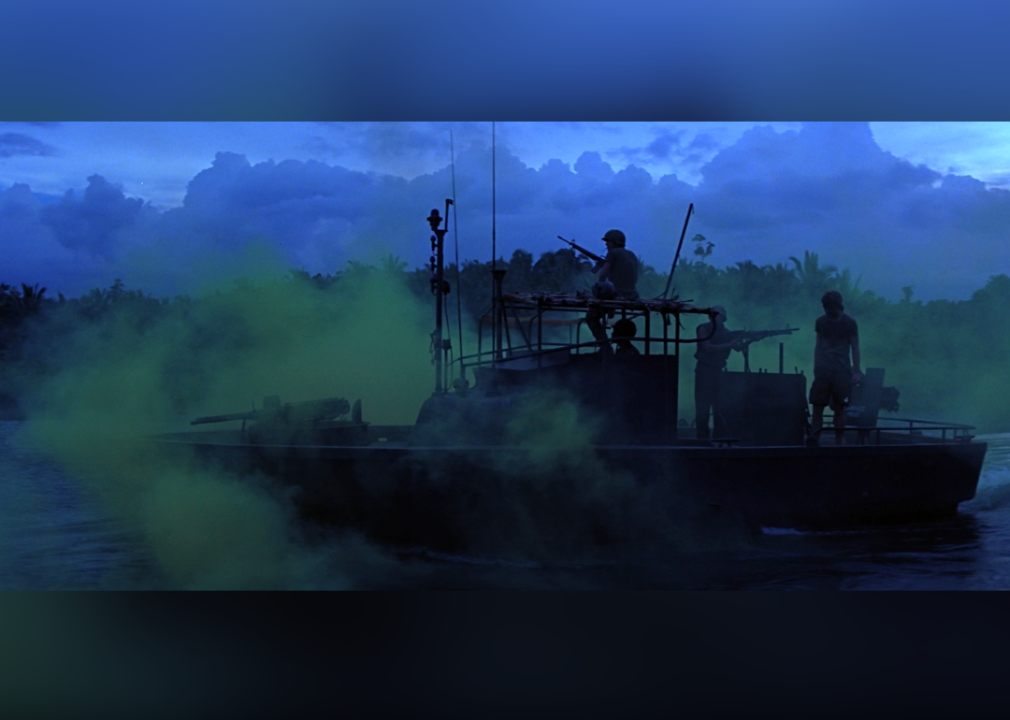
x=94 y=222
x=407 y=149
x=685 y=148
x=665 y=146
x=824 y=187
x=824 y=150
x=29 y=251
x=828 y=187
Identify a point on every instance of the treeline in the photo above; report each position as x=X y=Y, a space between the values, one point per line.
x=948 y=358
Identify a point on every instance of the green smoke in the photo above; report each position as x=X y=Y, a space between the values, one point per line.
x=125 y=374
x=100 y=373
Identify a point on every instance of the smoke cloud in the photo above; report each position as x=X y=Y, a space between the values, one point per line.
x=121 y=378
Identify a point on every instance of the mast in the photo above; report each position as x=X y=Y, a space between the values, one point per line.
x=494 y=254
x=459 y=285
x=496 y=275
x=438 y=286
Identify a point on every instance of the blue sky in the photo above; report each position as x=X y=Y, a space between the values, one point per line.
x=168 y=206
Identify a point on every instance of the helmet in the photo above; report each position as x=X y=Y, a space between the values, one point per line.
x=615 y=237
x=624 y=328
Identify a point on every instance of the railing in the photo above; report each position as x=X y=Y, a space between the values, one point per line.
x=538 y=305
x=906 y=427
x=957 y=430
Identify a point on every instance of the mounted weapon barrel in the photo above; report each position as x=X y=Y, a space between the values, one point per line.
x=311 y=411
x=751 y=336
x=250 y=415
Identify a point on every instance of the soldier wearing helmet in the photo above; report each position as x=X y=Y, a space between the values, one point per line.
x=620 y=266
x=715 y=343
x=619 y=275
x=624 y=330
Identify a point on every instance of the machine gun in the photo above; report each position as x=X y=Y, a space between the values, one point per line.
x=318 y=421
x=752 y=336
x=312 y=411
x=591 y=255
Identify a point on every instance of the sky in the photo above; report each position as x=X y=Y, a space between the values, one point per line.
x=168 y=207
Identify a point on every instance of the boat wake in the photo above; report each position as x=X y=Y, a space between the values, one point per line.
x=994 y=482
x=781 y=531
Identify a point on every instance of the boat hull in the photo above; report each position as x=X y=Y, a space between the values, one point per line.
x=453 y=497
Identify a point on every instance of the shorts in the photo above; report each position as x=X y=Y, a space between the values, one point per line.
x=832 y=387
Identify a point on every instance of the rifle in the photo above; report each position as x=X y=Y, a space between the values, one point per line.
x=751 y=336
x=591 y=255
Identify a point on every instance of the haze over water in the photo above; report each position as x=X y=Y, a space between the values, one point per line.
x=55 y=535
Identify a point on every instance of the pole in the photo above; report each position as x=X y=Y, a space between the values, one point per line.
x=499 y=313
x=455 y=232
x=438 y=286
x=690 y=209
x=495 y=329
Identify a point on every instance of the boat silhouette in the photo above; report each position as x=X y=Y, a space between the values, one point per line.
x=488 y=460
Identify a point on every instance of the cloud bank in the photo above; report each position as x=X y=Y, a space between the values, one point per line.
x=12 y=144
x=826 y=187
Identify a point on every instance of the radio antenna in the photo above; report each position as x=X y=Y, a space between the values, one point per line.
x=455 y=228
x=494 y=253
x=495 y=321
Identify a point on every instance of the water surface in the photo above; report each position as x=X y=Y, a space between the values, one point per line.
x=56 y=533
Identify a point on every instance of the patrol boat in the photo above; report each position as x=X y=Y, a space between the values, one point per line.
x=563 y=440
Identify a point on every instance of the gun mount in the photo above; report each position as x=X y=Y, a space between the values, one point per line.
x=752 y=336
x=277 y=422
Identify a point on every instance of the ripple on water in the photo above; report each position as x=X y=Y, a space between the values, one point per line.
x=52 y=535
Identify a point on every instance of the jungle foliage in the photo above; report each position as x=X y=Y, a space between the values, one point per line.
x=948 y=358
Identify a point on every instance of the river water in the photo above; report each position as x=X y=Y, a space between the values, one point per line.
x=56 y=533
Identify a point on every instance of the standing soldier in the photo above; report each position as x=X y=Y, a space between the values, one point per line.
x=712 y=354
x=834 y=375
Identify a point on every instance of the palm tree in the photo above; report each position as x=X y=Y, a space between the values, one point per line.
x=846 y=287
x=703 y=248
x=814 y=278
x=559 y=271
x=520 y=271
x=392 y=264
x=356 y=272
x=31 y=299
